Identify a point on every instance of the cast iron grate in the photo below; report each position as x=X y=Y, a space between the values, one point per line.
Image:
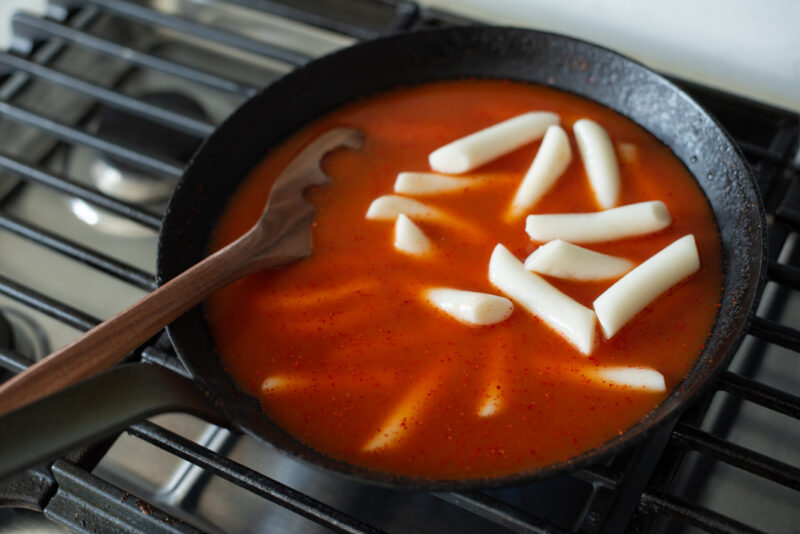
x=633 y=492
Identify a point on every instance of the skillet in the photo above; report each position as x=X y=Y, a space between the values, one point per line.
x=132 y=392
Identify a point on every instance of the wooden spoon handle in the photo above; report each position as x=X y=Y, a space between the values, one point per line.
x=281 y=235
x=110 y=341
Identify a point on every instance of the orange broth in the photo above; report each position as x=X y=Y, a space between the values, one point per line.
x=353 y=344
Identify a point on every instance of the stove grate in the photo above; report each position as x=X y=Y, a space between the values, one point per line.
x=246 y=478
x=67 y=186
x=633 y=492
x=33 y=29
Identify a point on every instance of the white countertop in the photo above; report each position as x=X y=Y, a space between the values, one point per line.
x=750 y=47
x=7 y=8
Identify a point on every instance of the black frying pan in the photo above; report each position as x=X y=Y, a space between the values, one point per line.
x=311 y=91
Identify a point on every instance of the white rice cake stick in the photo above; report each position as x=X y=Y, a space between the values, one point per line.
x=596 y=227
x=319 y=297
x=566 y=316
x=300 y=382
x=471 y=307
x=404 y=416
x=388 y=207
x=283 y=383
x=551 y=160
x=409 y=238
x=599 y=160
x=636 y=290
x=565 y=260
x=430 y=183
x=628 y=153
x=492 y=399
x=620 y=377
x=634 y=377
x=485 y=145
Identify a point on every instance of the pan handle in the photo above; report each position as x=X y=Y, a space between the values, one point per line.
x=93 y=409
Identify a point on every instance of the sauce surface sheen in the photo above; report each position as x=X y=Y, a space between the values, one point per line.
x=348 y=341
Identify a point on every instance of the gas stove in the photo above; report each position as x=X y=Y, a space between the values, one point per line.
x=89 y=91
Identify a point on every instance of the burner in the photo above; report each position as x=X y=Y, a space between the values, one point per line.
x=125 y=180
x=27 y=336
x=19 y=333
x=128 y=181
x=6 y=333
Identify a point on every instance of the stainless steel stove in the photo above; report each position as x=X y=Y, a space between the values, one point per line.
x=90 y=90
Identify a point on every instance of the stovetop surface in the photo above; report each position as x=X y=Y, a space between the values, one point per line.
x=729 y=465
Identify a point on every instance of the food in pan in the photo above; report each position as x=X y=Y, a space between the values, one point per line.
x=471 y=307
x=564 y=260
x=599 y=161
x=415 y=340
x=480 y=147
x=634 y=291
x=552 y=158
x=630 y=220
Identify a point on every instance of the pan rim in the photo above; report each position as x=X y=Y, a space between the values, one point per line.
x=662 y=414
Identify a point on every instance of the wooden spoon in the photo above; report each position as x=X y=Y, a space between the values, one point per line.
x=281 y=235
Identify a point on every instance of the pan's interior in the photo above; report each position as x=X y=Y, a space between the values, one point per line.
x=574 y=66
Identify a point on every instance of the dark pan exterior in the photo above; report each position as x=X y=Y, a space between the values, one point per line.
x=481 y=52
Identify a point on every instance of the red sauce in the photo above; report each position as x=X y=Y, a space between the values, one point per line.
x=360 y=357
